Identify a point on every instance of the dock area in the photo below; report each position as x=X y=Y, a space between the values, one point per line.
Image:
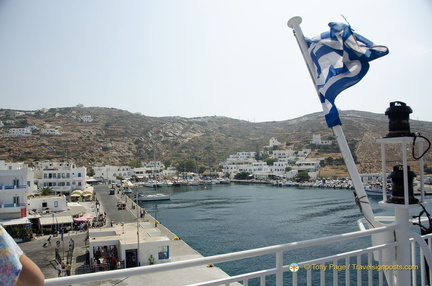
x=179 y=250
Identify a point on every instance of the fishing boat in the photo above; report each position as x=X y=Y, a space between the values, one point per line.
x=155 y=197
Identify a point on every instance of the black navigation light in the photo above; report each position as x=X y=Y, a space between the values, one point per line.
x=398 y=114
x=398 y=195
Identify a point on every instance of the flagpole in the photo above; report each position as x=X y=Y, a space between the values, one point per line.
x=362 y=199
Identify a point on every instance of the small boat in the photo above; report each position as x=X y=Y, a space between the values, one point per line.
x=375 y=190
x=151 y=184
x=156 y=197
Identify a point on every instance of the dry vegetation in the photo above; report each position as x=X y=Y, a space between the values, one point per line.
x=116 y=137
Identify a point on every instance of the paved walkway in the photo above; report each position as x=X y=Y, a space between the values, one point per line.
x=179 y=251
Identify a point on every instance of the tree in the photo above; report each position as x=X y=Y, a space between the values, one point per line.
x=90 y=172
x=45 y=191
x=187 y=166
x=270 y=161
x=242 y=176
x=302 y=176
x=134 y=163
x=328 y=161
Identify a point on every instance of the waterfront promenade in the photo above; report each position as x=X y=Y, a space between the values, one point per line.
x=179 y=250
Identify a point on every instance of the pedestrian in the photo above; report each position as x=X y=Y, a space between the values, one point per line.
x=49 y=240
x=71 y=243
x=61 y=268
x=68 y=269
x=151 y=259
x=15 y=267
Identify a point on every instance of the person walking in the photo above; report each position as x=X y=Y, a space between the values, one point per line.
x=61 y=268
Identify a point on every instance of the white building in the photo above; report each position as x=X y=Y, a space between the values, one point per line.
x=61 y=177
x=50 y=131
x=170 y=172
x=312 y=165
x=109 y=174
x=1 y=124
x=17 y=113
x=18 y=132
x=284 y=155
x=241 y=158
x=16 y=183
x=47 y=204
x=121 y=240
x=87 y=118
x=316 y=139
x=273 y=142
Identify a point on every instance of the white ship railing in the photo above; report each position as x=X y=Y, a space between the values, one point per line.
x=281 y=272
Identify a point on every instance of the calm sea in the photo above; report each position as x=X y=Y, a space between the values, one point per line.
x=225 y=218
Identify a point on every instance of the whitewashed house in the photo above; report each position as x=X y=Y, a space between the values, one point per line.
x=47 y=204
x=50 y=131
x=18 y=132
x=170 y=172
x=61 y=177
x=316 y=139
x=17 y=114
x=312 y=165
x=109 y=174
x=16 y=184
x=121 y=240
x=87 y=118
x=284 y=155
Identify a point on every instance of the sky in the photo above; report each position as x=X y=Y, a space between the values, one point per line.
x=193 y=58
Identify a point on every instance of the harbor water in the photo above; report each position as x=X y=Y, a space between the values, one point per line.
x=219 y=219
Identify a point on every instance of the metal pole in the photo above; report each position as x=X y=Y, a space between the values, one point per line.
x=138 y=239
x=279 y=268
x=294 y=23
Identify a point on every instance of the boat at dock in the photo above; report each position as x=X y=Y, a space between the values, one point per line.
x=155 y=197
x=375 y=190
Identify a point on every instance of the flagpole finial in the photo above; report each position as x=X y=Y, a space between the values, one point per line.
x=294 y=21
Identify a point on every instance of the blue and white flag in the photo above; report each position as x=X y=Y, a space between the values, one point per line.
x=341 y=58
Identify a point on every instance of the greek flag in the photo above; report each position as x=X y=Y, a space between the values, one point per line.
x=341 y=58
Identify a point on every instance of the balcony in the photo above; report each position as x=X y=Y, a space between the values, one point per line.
x=12 y=187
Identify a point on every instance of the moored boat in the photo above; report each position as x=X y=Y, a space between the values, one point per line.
x=155 y=197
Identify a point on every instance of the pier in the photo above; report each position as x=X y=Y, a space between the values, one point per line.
x=179 y=251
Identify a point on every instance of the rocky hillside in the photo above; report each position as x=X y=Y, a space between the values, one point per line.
x=116 y=137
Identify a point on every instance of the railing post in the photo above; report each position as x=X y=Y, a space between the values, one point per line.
x=403 y=249
x=279 y=268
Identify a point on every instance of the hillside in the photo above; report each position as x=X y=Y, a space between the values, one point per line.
x=115 y=137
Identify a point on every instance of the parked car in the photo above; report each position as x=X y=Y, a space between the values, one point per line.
x=121 y=205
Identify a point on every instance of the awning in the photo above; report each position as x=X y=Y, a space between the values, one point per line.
x=84 y=217
x=55 y=220
x=16 y=221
